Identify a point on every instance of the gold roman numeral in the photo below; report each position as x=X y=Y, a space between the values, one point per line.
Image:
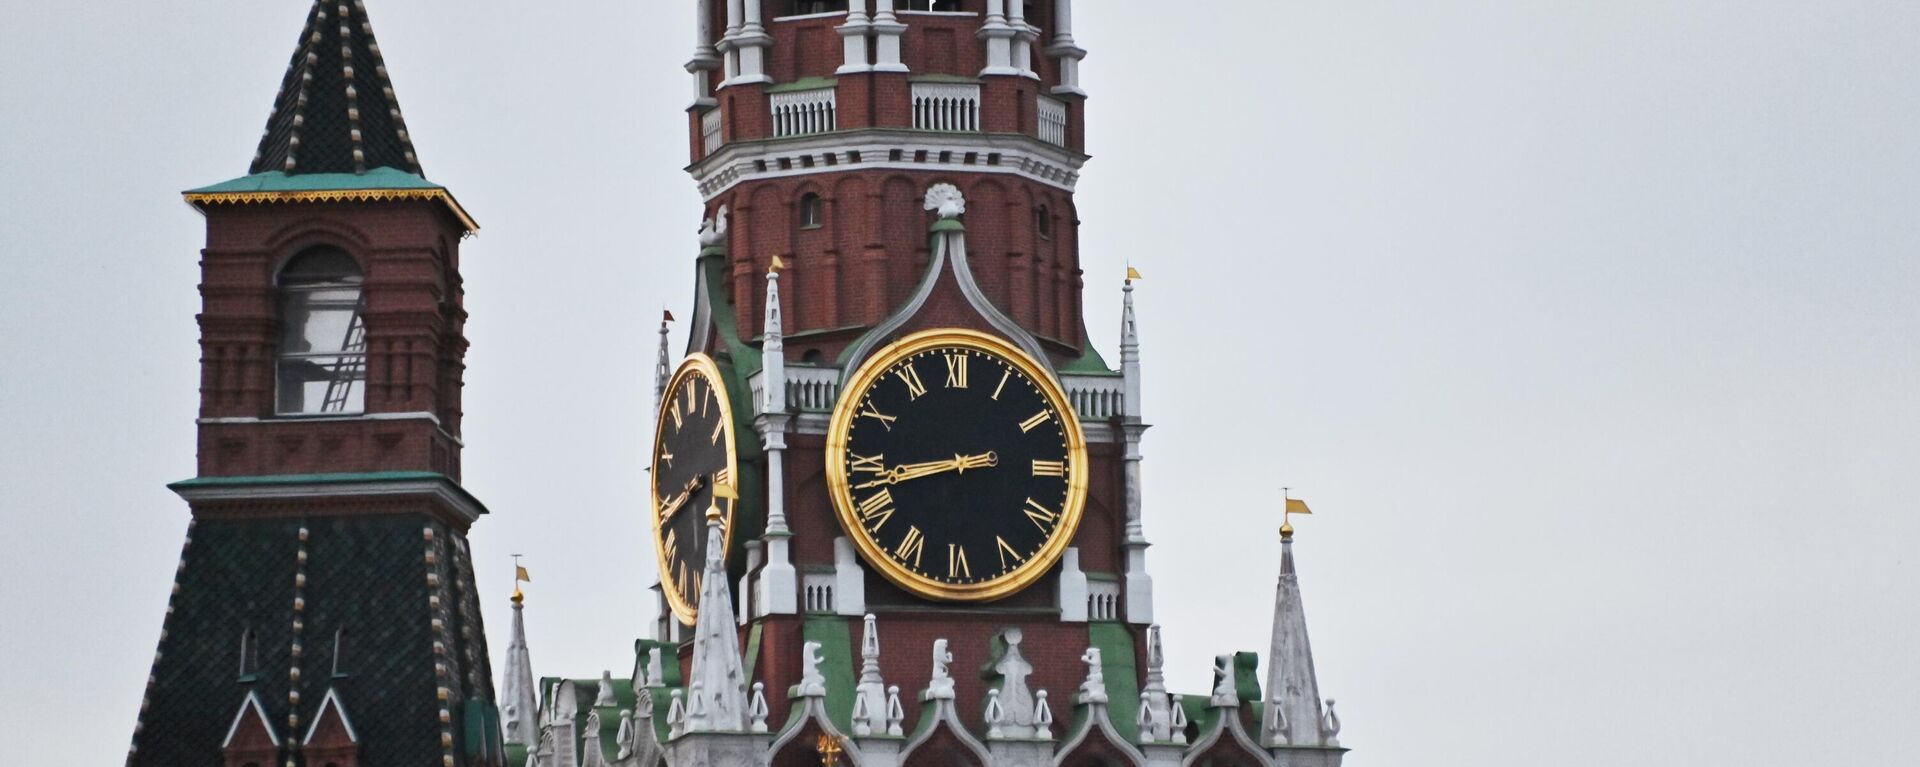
x=679 y=418
x=1004 y=375
x=911 y=378
x=719 y=427
x=1042 y=518
x=1034 y=422
x=877 y=510
x=957 y=562
x=875 y=414
x=723 y=477
x=956 y=371
x=913 y=545
x=1049 y=468
x=1007 y=551
x=673 y=547
x=874 y=465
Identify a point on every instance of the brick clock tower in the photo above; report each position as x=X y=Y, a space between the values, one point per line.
x=889 y=429
x=324 y=612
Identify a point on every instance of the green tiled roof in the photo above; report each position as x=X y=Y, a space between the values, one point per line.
x=277 y=181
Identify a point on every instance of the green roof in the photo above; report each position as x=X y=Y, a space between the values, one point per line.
x=270 y=480
x=276 y=181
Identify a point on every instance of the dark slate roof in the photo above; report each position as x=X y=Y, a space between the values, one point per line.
x=336 y=111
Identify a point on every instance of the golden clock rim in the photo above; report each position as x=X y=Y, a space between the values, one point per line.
x=697 y=363
x=837 y=485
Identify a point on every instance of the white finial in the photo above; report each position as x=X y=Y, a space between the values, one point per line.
x=605 y=698
x=870 y=695
x=896 y=713
x=1013 y=670
x=1094 y=689
x=1042 y=716
x=995 y=714
x=626 y=739
x=947 y=200
x=1277 y=722
x=677 y=713
x=940 y=686
x=757 y=709
x=656 y=675
x=812 y=683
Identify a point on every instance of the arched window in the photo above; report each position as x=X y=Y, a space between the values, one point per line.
x=810 y=217
x=1043 y=222
x=323 y=338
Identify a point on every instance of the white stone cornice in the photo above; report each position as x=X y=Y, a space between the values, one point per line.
x=1019 y=155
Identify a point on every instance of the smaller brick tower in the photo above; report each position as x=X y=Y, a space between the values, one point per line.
x=324 y=608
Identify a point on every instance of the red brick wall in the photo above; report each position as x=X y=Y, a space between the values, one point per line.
x=873 y=247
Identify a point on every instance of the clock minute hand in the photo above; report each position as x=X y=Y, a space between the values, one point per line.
x=958 y=463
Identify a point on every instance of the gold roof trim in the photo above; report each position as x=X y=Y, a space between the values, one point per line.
x=336 y=195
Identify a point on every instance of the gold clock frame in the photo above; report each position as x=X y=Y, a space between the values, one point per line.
x=696 y=364
x=845 y=509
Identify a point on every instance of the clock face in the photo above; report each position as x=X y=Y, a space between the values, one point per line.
x=957 y=466
x=693 y=452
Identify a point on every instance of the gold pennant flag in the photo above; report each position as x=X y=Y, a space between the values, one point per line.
x=1133 y=274
x=1297 y=506
x=778 y=264
x=520 y=575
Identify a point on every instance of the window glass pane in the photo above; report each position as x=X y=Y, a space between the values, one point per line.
x=316 y=385
x=321 y=321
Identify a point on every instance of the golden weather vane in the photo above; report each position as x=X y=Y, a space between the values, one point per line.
x=519 y=576
x=1293 y=506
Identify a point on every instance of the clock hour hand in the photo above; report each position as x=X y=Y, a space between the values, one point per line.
x=958 y=463
x=674 y=504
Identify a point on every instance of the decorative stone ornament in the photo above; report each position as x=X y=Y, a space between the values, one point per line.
x=940 y=687
x=713 y=231
x=1094 y=690
x=870 y=695
x=1013 y=669
x=896 y=713
x=757 y=708
x=1042 y=716
x=947 y=200
x=995 y=714
x=1224 y=694
x=812 y=683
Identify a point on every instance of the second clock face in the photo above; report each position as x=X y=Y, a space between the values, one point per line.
x=957 y=466
x=693 y=453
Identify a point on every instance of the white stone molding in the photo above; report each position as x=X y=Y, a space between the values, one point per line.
x=705 y=58
x=1066 y=50
x=998 y=36
x=820 y=155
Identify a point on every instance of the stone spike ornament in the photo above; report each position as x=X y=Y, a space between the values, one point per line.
x=1291 y=682
x=1042 y=716
x=896 y=713
x=870 y=695
x=757 y=708
x=718 y=683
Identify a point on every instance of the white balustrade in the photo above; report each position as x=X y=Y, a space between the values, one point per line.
x=1053 y=120
x=1103 y=600
x=1096 y=398
x=800 y=113
x=710 y=129
x=948 y=107
x=817 y=592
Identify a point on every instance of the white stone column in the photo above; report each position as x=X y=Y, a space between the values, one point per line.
x=753 y=43
x=1138 y=582
x=853 y=39
x=1064 y=48
x=998 y=36
x=728 y=42
x=887 y=30
x=705 y=57
x=1023 y=39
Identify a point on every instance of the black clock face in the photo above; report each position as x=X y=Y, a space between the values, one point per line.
x=959 y=470
x=693 y=453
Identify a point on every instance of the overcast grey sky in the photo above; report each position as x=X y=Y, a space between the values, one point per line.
x=1588 y=327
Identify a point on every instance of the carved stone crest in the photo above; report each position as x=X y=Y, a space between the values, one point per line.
x=947 y=200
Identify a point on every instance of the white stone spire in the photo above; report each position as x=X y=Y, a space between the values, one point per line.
x=1139 y=584
x=778 y=592
x=662 y=363
x=1291 y=686
x=718 y=683
x=519 y=706
x=1155 y=689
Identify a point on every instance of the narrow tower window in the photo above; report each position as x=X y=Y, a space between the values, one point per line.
x=323 y=339
x=810 y=211
x=1043 y=222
